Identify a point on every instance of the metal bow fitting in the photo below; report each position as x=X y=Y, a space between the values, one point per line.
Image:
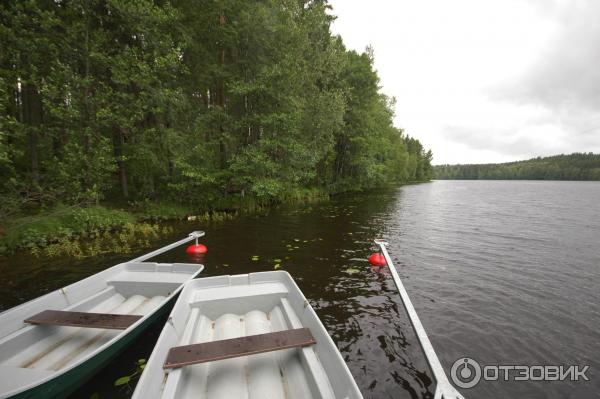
x=444 y=389
x=194 y=235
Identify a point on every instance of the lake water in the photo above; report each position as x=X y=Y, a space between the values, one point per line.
x=503 y=272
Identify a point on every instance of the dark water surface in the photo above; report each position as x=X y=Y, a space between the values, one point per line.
x=504 y=272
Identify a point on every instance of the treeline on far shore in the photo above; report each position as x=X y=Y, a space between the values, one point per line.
x=576 y=166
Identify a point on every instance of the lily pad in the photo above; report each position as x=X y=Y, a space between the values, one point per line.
x=352 y=270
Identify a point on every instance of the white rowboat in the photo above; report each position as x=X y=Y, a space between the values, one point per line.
x=278 y=327
x=51 y=345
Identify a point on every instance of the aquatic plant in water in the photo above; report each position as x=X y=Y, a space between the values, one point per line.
x=124 y=240
x=127 y=379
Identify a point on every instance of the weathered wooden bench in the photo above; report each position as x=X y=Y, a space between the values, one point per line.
x=185 y=355
x=83 y=319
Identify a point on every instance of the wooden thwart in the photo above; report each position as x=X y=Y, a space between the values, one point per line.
x=84 y=319
x=179 y=356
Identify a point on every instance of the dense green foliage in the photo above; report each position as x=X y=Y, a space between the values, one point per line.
x=190 y=102
x=575 y=166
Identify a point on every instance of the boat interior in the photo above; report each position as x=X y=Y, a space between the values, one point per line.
x=32 y=352
x=225 y=307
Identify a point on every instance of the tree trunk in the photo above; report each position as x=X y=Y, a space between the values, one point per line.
x=341 y=149
x=86 y=114
x=119 y=141
x=32 y=117
x=33 y=154
x=221 y=100
x=12 y=109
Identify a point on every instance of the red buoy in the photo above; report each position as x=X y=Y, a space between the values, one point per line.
x=196 y=249
x=377 y=260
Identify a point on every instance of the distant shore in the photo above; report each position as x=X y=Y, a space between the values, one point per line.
x=576 y=166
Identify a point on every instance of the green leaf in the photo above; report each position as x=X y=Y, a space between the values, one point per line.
x=122 y=381
x=277 y=266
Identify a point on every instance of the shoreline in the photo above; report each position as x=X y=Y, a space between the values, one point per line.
x=85 y=231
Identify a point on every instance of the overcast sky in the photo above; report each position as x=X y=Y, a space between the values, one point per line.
x=485 y=81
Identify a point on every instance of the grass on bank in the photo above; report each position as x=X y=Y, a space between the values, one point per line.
x=92 y=230
x=86 y=231
x=29 y=232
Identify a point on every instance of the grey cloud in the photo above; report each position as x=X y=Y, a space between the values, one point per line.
x=564 y=79
x=508 y=141
x=502 y=141
x=566 y=75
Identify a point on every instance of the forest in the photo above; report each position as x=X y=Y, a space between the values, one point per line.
x=576 y=166
x=113 y=108
x=193 y=102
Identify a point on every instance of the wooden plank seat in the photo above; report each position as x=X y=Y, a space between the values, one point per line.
x=84 y=319
x=185 y=355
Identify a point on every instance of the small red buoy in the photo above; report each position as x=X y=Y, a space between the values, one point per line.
x=377 y=260
x=196 y=249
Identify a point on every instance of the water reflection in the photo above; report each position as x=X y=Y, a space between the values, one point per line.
x=196 y=258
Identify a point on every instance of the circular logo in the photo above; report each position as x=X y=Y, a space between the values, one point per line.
x=466 y=372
